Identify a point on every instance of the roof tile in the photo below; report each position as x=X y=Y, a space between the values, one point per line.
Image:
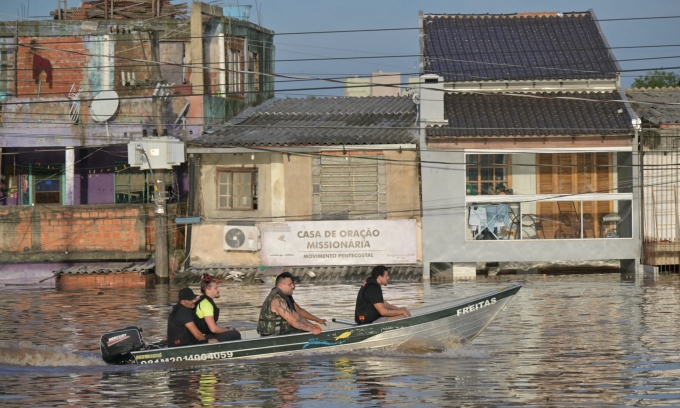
x=532 y=114
x=319 y=122
x=516 y=47
x=656 y=104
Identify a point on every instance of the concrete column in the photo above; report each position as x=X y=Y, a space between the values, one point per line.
x=196 y=50
x=431 y=109
x=278 y=187
x=430 y=112
x=69 y=163
x=161 y=227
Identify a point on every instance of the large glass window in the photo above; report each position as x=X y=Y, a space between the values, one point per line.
x=237 y=189
x=567 y=220
x=579 y=195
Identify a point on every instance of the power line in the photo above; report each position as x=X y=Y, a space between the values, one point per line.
x=479 y=15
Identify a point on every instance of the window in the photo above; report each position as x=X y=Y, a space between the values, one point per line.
x=234 y=74
x=487 y=174
x=237 y=64
x=6 y=63
x=36 y=185
x=349 y=187
x=558 y=195
x=132 y=186
x=254 y=68
x=237 y=189
x=47 y=185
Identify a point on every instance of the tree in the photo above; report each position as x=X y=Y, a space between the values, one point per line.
x=657 y=79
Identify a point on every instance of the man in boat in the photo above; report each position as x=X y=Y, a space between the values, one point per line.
x=370 y=306
x=207 y=313
x=280 y=310
x=182 y=329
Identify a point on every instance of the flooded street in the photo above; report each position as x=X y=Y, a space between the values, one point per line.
x=562 y=341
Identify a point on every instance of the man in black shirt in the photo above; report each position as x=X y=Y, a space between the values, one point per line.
x=370 y=306
x=182 y=330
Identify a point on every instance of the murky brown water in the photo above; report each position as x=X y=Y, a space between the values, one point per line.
x=563 y=341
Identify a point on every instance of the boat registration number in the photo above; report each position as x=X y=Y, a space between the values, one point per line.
x=193 y=357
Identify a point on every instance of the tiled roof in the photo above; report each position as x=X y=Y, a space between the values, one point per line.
x=305 y=274
x=516 y=47
x=146 y=267
x=319 y=122
x=657 y=109
x=535 y=114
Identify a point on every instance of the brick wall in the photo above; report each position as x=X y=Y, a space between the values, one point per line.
x=93 y=232
x=68 y=60
x=104 y=280
x=131 y=51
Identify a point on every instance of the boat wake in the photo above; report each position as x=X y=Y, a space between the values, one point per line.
x=428 y=348
x=25 y=353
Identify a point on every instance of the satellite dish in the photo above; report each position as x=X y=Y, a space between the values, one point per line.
x=104 y=105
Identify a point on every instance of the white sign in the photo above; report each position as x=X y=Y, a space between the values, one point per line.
x=307 y=243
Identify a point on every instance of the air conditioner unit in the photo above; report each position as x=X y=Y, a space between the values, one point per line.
x=240 y=238
x=651 y=140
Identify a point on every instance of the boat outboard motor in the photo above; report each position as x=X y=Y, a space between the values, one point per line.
x=117 y=345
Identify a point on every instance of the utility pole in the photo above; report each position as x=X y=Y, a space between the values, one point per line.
x=159 y=193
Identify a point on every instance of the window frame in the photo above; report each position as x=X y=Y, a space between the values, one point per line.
x=7 y=63
x=479 y=166
x=253 y=171
x=32 y=176
x=237 y=63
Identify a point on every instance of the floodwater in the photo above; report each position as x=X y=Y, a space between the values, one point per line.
x=577 y=340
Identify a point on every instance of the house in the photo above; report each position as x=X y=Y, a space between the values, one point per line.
x=377 y=84
x=326 y=183
x=75 y=92
x=659 y=143
x=527 y=145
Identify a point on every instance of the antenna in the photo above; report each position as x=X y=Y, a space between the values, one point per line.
x=103 y=106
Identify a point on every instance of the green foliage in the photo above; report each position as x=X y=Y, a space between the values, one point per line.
x=657 y=79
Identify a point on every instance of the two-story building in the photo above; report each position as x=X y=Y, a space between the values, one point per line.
x=527 y=145
x=74 y=93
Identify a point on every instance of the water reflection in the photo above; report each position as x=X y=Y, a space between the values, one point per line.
x=565 y=340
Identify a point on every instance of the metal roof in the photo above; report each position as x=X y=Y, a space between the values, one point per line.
x=472 y=47
x=318 y=122
x=532 y=114
x=656 y=107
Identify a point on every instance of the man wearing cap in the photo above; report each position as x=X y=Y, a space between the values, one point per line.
x=370 y=306
x=182 y=330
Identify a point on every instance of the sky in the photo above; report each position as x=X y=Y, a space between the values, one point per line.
x=294 y=16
